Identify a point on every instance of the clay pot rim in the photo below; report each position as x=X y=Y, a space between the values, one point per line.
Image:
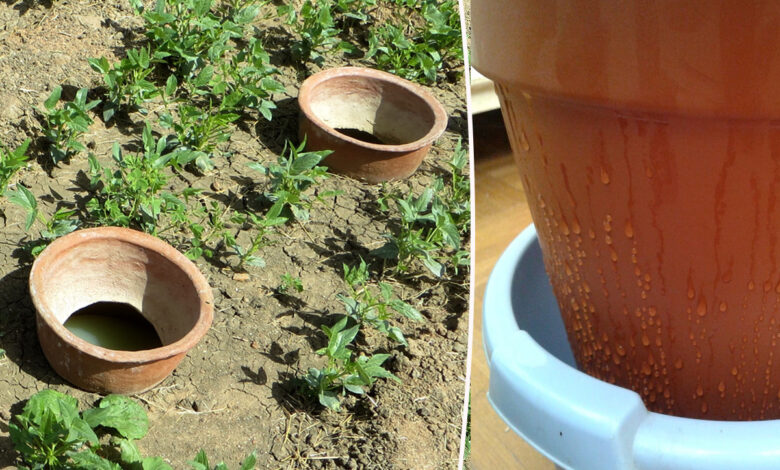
x=439 y=113
x=150 y=243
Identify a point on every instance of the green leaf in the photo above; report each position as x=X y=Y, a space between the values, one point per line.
x=121 y=413
x=406 y=310
x=89 y=460
x=129 y=452
x=154 y=463
x=22 y=196
x=329 y=399
x=171 y=85
x=249 y=462
x=201 y=461
x=307 y=161
x=53 y=98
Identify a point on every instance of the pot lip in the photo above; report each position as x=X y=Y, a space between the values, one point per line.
x=440 y=114
x=144 y=240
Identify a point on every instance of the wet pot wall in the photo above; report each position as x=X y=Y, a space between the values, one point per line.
x=647 y=143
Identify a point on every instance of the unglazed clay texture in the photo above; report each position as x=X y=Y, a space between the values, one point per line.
x=404 y=116
x=111 y=264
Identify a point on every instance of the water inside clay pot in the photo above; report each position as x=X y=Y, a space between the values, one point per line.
x=365 y=136
x=113 y=325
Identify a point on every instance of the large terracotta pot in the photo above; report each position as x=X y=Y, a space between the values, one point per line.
x=646 y=134
x=111 y=264
x=379 y=126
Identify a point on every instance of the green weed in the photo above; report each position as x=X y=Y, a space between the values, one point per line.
x=60 y=223
x=11 y=161
x=315 y=29
x=344 y=374
x=64 y=125
x=366 y=306
x=294 y=172
x=259 y=236
x=288 y=283
x=201 y=462
x=132 y=194
x=127 y=81
x=50 y=433
x=419 y=52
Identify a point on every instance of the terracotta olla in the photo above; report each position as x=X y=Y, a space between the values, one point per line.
x=379 y=126
x=647 y=139
x=111 y=264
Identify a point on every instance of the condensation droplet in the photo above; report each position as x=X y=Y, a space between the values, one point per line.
x=630 y=230
x=704 y=408
x=621 y=350
x=524 y=140
x=646 y=369
x=734 y=371
x=699 y=390
x=721 y=387
x=678 y=364
x=645 y=340
x=701 y=309
x=613 y=255
x=591 y=234
x=751 y=285
x=723 y=306
x=604 y=176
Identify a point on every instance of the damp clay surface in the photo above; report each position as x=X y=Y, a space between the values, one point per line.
x=651 y=159
x=659 y=236
x=237 y=390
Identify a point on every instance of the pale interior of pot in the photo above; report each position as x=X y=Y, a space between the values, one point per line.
x=117 y=271
x=392 y=113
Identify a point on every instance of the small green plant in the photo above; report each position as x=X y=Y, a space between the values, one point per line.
x=198 y=131
x=64 y=125
x=259 y=232
x=127 y=81
x=60 y=223
x=201 y=462
x=342 y=373
x=365 y=306
x=11 y=161
x=288 y=283
x=294 y=172
x=50 y=433
x=187 y=34
x=315 y=29
x=132 y=194
x=421 y=53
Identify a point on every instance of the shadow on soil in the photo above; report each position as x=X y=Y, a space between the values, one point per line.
x=18 y=336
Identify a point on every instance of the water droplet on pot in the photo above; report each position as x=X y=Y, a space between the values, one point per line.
x=721 y=387
x=524 y=140
x=699 y=390
x=678 y=364
x=621 y=350
x=604 y=176
x=645 y=340
x=734 y=371
x=704 y=408
x=723 y=306
x=629 y=229
x=701 y=309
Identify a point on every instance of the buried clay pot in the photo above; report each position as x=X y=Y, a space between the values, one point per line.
x=122 y=267
x=649 y=150
x=379 y=126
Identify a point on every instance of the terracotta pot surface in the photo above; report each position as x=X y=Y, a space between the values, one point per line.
x=111 y=264
x=403 y=116
x=647 y=141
